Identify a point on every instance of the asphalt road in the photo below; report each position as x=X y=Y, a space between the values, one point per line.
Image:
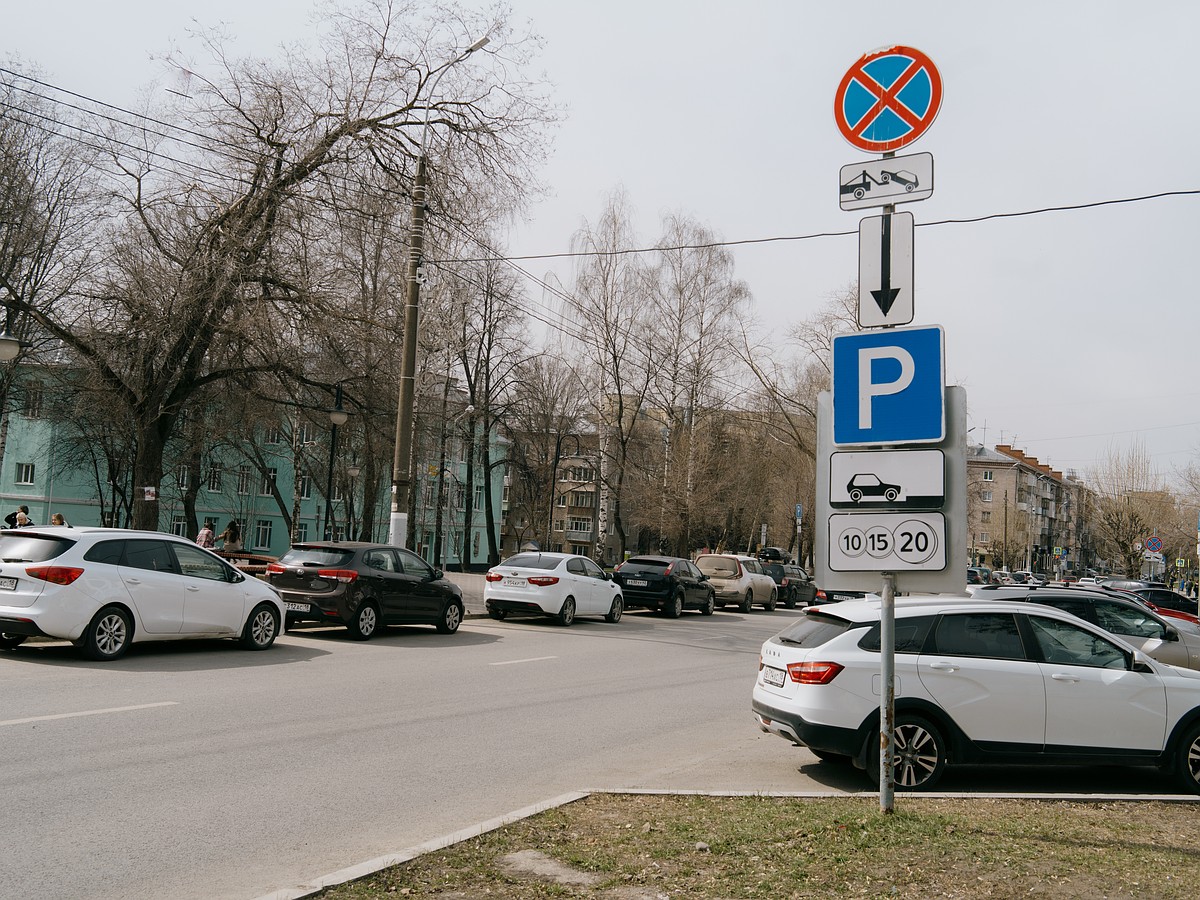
x=199 y=770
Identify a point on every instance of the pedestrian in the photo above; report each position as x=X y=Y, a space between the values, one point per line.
x=23 y=521
x=205 y=538
x=58 y=519
x=12 y=517
x=231 y=537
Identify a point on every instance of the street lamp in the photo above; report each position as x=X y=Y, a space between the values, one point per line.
x=337 y=416
x=401 y=481
x=10 y=346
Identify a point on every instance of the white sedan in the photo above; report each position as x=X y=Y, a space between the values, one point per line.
x=561 y=585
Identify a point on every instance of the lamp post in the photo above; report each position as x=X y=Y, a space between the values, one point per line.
x=10 y=346
x=337 y=416
x=401 y=480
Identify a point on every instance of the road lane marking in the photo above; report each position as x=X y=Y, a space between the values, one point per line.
x=513 y=662
x=88 y=712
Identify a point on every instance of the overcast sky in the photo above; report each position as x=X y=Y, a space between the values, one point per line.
x=1071 y=331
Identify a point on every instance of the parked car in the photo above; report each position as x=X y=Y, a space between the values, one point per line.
x=794 y=586
x=772 y=554
x=106 y=588
x=250 y=563
x=977 y=681
x=1125 y=617
x=364 y=586
x=667 y=584
x=562 y=585
x=739 y=580
x=836 y=595
x=1164 y=598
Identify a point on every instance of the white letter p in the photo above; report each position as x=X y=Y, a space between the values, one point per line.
x=868 y=390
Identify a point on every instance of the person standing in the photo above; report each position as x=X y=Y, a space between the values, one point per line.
x=59 y=519
x=231 y=537
x=13 y=517
x=205 y=538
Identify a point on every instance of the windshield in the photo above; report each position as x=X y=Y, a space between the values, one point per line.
x=319 y=557
x=637 y=566
x=725 y=566
x=533 y=561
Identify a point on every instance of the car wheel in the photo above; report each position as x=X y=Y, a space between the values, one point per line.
x=673 y=607
x=747 y=601
x=890 y=494
x=108 y=634
x=566 y=615
x=365 y=622
x=920 y=754
x=790 y=602
x=710 y=605
x=614 y=612
x=769 y=606
x=855 y=496
x=451 y=618
x=11 y=641
x=1189 y=759
x=261 y=628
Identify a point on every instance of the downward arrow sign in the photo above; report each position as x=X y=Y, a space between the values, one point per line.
x=886 y=295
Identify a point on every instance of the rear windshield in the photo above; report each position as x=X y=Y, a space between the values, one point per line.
x=815 y=629
x=636 y=566
x=533 y=561
x=774 y=570
x=717 y=565
x=318 y=557
x=31 y=547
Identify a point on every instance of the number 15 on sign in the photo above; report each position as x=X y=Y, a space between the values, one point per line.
x=887 y=542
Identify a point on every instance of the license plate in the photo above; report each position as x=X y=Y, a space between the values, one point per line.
x=297 y=607
x=8 y=584
x=773 y=677
x=637 y=582
x=514 y=582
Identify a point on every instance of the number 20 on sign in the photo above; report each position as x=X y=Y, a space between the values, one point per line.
x=887 y=542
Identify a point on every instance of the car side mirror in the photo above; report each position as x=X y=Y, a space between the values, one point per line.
x=608 y=576
x=1140 y=663
x=703 y=577
x=437 y=573
x=1171 y=634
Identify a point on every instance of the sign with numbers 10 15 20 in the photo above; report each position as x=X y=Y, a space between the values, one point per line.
x=887 y=542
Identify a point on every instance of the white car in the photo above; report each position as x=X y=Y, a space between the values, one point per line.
x=739 y=580
x=562 y=585
x=106 y=588
x=977 y=681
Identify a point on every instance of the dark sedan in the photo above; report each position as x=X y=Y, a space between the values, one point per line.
x=668 y=584
x=795 y=587
x=364 y=587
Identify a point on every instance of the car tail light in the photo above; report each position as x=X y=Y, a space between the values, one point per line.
x=741 y=571
x=55 y=574
x=543 y=580
x=493 y=576
x=668 y=569
x=783 y=583
x=275 y=569
x=617 y=567
x=345 y=576
x=814 y=672
x=821 y=595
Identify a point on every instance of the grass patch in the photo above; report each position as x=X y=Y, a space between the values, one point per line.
x=745 y=847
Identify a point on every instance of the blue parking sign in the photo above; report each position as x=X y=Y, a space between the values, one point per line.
x=889 y=387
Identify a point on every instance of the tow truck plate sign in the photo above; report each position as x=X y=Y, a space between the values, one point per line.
x=878 y=182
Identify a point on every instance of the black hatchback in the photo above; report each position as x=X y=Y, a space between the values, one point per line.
x=668 y=584
x=364 y=586
x=795 y=587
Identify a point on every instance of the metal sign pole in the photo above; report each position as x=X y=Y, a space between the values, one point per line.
x=887 y=697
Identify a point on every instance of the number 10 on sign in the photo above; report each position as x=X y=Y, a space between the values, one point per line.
x=887 y=542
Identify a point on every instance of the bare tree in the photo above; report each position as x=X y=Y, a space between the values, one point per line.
x=1128 y=489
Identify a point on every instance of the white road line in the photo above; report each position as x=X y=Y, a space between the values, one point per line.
x=511 y=662
x=88 y=712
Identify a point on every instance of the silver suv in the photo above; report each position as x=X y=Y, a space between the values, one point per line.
x=106 y=588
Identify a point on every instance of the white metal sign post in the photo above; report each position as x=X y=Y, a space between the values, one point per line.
x=900 y=519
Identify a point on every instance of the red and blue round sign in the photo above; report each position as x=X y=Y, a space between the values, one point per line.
x=888 y=99
x=1154 y=545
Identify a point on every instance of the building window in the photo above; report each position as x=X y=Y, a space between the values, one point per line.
x=984 y=537
x=184 y=477
x=24 y=473
x=581 y=549
x=179 y=526
x=460 y=496
x=578 y=524
x=427 y=495
x=214 y=478
x=243 y=480
x=987 y=474
x=268 y=482
x=34 y=399
x=304 y=433
x=478 y=501
x=305 y=487
x=301 y=532
x=262 y=534
x=986 y=496
x=475 y=544
x=274 y=435
x=558 y=526
x=561 y=500
x=985 y=516
x=584 y=499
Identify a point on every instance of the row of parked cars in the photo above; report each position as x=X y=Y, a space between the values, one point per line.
x=1039 y=674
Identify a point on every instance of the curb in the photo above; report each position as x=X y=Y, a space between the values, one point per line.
x=371 y=866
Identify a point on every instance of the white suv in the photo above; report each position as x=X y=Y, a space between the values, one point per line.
x=739 y=580
x=976 y=682
x=105 y=588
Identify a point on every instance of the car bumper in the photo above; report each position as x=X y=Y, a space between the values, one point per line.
x=517 y=607
x=792 y=727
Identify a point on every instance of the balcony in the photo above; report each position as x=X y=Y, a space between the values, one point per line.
x=579 y=535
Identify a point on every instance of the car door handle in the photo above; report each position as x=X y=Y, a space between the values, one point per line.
x=943 y=666
x=1064 y=676
x=192 y=588
x=133 y=581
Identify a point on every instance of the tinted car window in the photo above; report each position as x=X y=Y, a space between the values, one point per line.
x=195 y=563
x=414 y=565
x=106 y=552
x=31 y=547
x=380 y=560
x=813 y=630
x=533 y=561
x=774 y=570
x=153 y=555
x=319 y=557
x=991 y=635
x=637 y=566
x=590 y=568
x=1121 y=619
x=1064 y=643
x=910 y=635
x=752 y=565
